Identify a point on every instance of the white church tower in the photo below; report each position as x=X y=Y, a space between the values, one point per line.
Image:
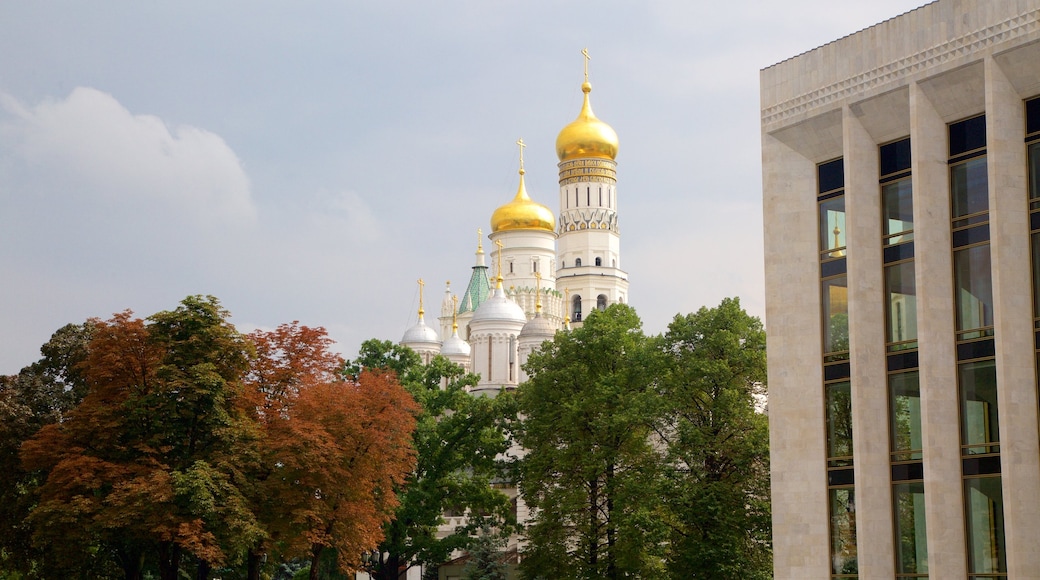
x=523 y=231
x=589 y=275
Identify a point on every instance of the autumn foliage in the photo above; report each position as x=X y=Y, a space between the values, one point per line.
x=195 y=444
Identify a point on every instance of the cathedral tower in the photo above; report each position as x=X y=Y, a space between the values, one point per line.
x=526 y=230
x=589 y=275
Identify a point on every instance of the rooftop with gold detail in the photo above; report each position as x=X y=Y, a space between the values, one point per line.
x=522 y=213
x=586 y=136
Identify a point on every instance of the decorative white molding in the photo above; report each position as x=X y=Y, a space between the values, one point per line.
x=895 y=71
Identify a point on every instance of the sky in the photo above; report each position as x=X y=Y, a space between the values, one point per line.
x=309 y=161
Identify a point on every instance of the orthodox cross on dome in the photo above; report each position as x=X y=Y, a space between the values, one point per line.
x=520 y=142
x=421 y=284
x=585 y=53
x=480 y=241
x=499 y=244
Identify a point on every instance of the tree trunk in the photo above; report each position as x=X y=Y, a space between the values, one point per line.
x=253 y=565
x=202 y=573
x=390 y=568
x=593 y=525
x=316 y=550
x=169 y=560
x=130 y=561
x=611 y=560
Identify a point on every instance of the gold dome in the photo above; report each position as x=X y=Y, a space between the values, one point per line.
x=587 y=136
x=522 y=213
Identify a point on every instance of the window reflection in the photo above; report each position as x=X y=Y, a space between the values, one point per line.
x=984 y=515
x=974 y=289
x=839 y=424
x=835 y=315
x=979 y=420
x=843 y=531
x=901 y=303
x=905 y=411
x=832 y=227
x=911 y=533
x=969 y=187
x=897 y=200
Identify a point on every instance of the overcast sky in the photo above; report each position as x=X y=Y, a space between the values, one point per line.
x=310 y=160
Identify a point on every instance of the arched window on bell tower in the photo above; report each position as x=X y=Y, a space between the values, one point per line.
x=576 y=309
x=601 y=302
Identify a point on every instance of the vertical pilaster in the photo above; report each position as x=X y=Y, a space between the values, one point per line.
x=1016 y=378
x=797 y=446
x=874 y=535
x=933 y=260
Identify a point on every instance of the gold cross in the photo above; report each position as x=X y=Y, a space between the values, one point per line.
x=480 y=241
x=585 y=53
x=421 y=284
x=520 y=142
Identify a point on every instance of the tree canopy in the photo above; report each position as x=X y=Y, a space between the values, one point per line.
x=647 y=456
x=458 y=441
x=175 y=439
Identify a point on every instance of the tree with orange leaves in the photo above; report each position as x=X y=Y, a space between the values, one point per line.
x=332 y=450
x=149 y=461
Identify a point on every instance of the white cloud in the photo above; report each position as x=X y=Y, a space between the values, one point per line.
x=89 y=144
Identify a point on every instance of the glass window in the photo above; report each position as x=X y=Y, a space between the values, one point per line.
x=974 y=288
x=905 y=415
x=897 y=200
x=830 y=176
x=835 y=294
x=832 y=227
x=839 y=423
x=1034 y=171
x=969 y=187
x=911 y=534
x=895 y=157
x=980 y=429
x=984 y=517
x=843 y=531
x=901 y=303
x=967 y=135
x=1036 y=274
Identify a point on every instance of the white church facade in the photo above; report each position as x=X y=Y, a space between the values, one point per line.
x=547 y=271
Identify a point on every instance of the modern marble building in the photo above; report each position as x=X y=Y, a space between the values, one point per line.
x=901 y=186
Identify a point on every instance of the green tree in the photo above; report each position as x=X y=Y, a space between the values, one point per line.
x=487 y=557
x=587 y=420
x=457 y=439
x=41 y=394
x=149 y=462
x=716 y=476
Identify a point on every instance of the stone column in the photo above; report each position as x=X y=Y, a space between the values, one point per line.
x=801 y=540
x=940 y=419
x=1013 y=329
x=874 y=535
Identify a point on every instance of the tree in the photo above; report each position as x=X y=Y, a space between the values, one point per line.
x=42 y=393
x=457 y=440
x=333 y=450
x=587 y=414
x=716 y=476
x=487 y=557
x=149 y=460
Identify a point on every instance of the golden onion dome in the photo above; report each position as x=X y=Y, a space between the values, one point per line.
x=587 y=136
x=523 y=213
